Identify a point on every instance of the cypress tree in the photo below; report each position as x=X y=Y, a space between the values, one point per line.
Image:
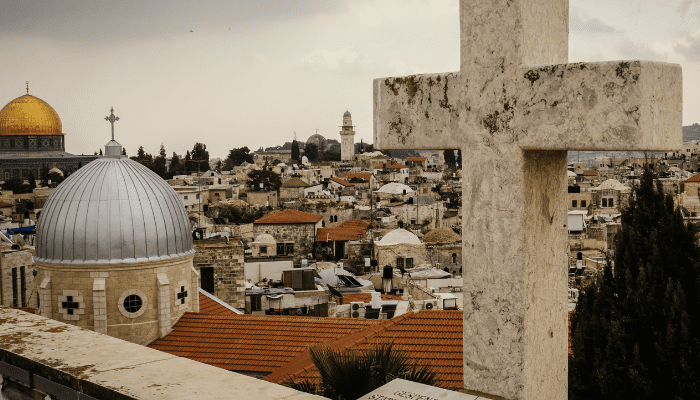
x=632 y=332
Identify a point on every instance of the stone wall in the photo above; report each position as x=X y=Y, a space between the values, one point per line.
x=303 y=236
x=16 y=259
x=226 y=258
x=448 y=255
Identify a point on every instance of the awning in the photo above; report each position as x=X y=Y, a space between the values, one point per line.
x=24 y=229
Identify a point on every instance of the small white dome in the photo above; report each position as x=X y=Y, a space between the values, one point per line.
x=395 y=188
x=399 y=236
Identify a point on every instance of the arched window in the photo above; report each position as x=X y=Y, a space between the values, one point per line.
x=454 y=258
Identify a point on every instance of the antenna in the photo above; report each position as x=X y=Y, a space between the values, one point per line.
x=27 y=87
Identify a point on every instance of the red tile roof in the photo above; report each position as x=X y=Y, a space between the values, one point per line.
x=694 y=178
x=358 y=175
x=355 y=229
x=342 y=182
x=390 y=166
x=208 y=305
x=433 y=337
x=590 y=172
x=289 y=216
x=252 y=343
x=410 y=159
x=4 y=204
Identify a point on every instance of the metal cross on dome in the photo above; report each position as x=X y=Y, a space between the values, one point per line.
x=112 y=119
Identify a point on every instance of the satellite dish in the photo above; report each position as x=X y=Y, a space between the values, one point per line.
x=428 y=306
x=19 y=240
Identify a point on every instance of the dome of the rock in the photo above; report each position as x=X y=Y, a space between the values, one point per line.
x=112 y=211
x=29 y=115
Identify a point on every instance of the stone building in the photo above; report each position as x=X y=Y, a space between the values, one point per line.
x=347 y=138
x=17 y=278
x=31 y=137
x=219 y=262
x=114 y=251
x=400 y=248
x=293 y=189
x=294 y=232
x=444 y=249
x=267 y=199
x=610 y=197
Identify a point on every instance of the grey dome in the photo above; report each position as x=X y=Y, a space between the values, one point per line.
x=346 y=114
x=111 y=211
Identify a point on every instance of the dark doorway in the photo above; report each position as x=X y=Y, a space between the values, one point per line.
x=207 y=276
x=339 y=250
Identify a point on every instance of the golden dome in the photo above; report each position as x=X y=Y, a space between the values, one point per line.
x=29 y=115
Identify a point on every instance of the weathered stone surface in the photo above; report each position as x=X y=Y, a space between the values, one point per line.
x=514 y=110
x=400 y=389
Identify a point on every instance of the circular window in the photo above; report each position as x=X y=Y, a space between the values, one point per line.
x=132 y=303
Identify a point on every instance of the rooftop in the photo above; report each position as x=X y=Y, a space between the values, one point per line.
x=252 y=343
x=433 y=337
x=357 y=175
x=289 y=216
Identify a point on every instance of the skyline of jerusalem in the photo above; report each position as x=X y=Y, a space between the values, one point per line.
x=260 y=211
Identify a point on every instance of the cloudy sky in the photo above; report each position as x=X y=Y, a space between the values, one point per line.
x=252 y=72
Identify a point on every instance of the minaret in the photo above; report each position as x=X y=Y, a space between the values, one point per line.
x=347 y=138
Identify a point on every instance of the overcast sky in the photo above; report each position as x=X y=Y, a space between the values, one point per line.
x=253 y=72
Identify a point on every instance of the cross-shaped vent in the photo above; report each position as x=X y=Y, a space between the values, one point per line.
x=69 y=305
x=182 y=295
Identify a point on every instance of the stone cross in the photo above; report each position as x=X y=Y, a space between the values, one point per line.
x=112 y=119
x=514 y=110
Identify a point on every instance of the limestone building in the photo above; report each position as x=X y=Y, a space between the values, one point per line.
x=31 y=137
x=347 y=138
x=400 y=248
x=114 y=251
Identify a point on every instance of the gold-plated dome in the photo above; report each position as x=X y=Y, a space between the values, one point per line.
x=29 y=115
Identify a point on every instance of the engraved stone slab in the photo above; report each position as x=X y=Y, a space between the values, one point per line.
x=400 y=389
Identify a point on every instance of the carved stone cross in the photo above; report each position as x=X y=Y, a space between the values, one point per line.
x=112 y=119
x=514 y=110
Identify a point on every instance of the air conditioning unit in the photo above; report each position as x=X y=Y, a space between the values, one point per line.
x=357 y=309
x=430 y=304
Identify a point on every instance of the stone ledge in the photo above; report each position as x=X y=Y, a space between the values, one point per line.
x=108 y=368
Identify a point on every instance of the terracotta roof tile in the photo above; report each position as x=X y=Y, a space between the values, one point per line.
x=210 y=306
x=252 y=343
x=289 y=216
x=390 y=166
x=433 y=337
x=339 y=234
x=358 y=175
x=694 y=178
x=410 y=159
x=342 y=182
x=590 y=172
x=4 y=204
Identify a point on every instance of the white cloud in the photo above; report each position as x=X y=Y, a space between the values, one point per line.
x=689 y=46
x=579 y=22
x=330 y=59
x=640 y=51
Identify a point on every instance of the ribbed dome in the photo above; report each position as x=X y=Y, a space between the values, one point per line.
x=111 y=211
x=442 y=235
x=346 y=114
x=29 y=115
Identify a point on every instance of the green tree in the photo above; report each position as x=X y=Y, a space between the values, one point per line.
x=199 y=152
x=237 y=157
x=635 y=331
x=16 y=185
x=269 y=180
x=311 y=152
x=140 y=153
x=160 y=163
x=295 y=152
x=101 y=152
x=349 y=374
x=123 y=151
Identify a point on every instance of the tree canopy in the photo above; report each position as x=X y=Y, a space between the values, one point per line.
x=269 y=180
x=311 y=152
x=237 y=157
x=635 y=331
x=295 y=152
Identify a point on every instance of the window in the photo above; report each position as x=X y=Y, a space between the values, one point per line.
x=573 y=203
x=15 y=301
x=185 y=197
x=289 y=248
x=399 y=262
x=132 y=303
x=216 y=194
x=263 y=249
x=280 y=249
x=409 y=263
x=196 y=196
x=22 y=286
x=255 y=303
x=611 y=203
x=454 y=258
x=583 y=203
x=181 y=296
x=605 y=202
